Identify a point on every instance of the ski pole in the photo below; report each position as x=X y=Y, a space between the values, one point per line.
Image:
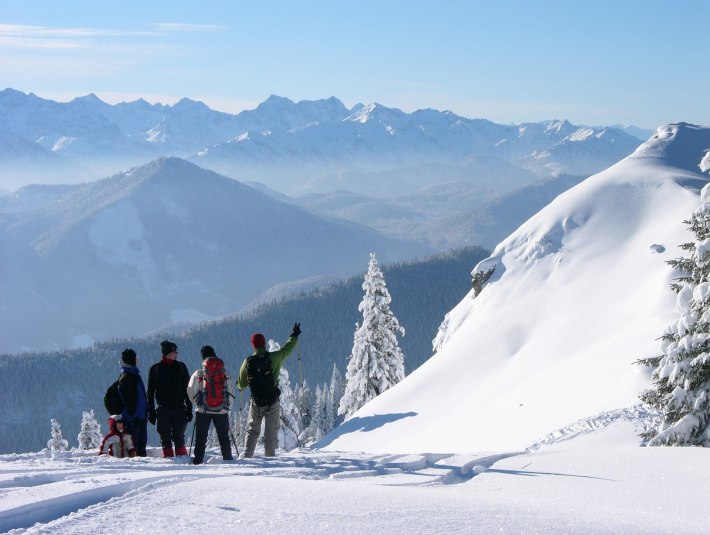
x=231 y=435
x=239 y=420
x=191 y=439
x=300 y=370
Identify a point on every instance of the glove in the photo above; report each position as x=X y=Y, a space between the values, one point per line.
x=188 y=415
x=151 y=416
x=296 y=330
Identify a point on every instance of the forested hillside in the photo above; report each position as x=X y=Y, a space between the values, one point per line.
x=63 y=384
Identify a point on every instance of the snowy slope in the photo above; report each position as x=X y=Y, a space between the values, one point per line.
x=579 y=292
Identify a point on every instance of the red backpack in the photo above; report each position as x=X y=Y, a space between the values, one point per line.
x=214 y=395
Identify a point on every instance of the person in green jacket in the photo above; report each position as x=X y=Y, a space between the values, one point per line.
x=260 y=372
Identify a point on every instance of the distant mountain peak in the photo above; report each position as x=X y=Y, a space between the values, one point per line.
x=275 y=101
x=186 y=103
x=91 y=98
x=558 y=126
x=373 y=111
x=169 y=164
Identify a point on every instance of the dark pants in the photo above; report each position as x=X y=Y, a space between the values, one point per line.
x=202 y=427
x=138 y=429
x=171 y=425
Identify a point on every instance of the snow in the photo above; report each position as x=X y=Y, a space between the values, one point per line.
x=599 y=482
x=581 y=134
x=118 y=238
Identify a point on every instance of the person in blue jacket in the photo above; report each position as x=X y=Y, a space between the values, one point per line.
x=135 y=403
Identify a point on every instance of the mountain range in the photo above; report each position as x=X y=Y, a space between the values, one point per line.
x=295 y=147
x=161 y=243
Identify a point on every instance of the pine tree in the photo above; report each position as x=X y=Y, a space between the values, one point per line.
x=212 y=441
x=376 y=362
x=681 y=378
x=290 y=415
x=238 y=424
x=90 y=432
x=335 y=393
x=57 y=443
x=303 y=400
x=315 y=431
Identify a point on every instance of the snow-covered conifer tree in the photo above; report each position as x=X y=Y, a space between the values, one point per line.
x=681 y=378
x=238 y=423
x=335 y=393
x=376 y=362
x=315 y=431
x=303 y=400
x=290 y=415
x=212 y=441
x=57 y=443
x=89 y=432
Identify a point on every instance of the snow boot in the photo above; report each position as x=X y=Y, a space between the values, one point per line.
x=180 y=451
x=168 y=452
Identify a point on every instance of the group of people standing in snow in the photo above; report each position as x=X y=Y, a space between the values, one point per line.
x=171 y=393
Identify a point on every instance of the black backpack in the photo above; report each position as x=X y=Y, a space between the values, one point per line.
x=112 y=399
x=261 y=380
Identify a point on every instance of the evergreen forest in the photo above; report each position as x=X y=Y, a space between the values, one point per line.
x=64 y=384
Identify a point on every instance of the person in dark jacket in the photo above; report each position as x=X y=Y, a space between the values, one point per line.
x=264 y=404
x=131 y=388
x=167 y=387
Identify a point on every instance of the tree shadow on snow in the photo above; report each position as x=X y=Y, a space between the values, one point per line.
x=364 y=424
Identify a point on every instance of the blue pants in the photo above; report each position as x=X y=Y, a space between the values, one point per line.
x=139 y=431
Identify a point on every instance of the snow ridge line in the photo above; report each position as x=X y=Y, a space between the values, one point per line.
x=640 y=414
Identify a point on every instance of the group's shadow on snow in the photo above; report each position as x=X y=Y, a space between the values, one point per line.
x=367 y=423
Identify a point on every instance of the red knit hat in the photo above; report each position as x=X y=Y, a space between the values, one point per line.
x=258 y=340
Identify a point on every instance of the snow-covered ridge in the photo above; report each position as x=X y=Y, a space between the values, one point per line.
x=566 y=306
x=105 y=138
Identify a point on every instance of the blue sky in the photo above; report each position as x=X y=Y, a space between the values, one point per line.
x=599 y=62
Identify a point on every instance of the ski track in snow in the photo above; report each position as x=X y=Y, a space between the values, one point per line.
x=104 y=492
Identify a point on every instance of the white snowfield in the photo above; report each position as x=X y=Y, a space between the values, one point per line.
x=597 y=482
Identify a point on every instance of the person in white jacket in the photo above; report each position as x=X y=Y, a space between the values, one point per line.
x=211 y=390
x=118 y=442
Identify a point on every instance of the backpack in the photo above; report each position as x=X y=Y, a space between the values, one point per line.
x=112 y=399
x=261 y=380
x=214 y=395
